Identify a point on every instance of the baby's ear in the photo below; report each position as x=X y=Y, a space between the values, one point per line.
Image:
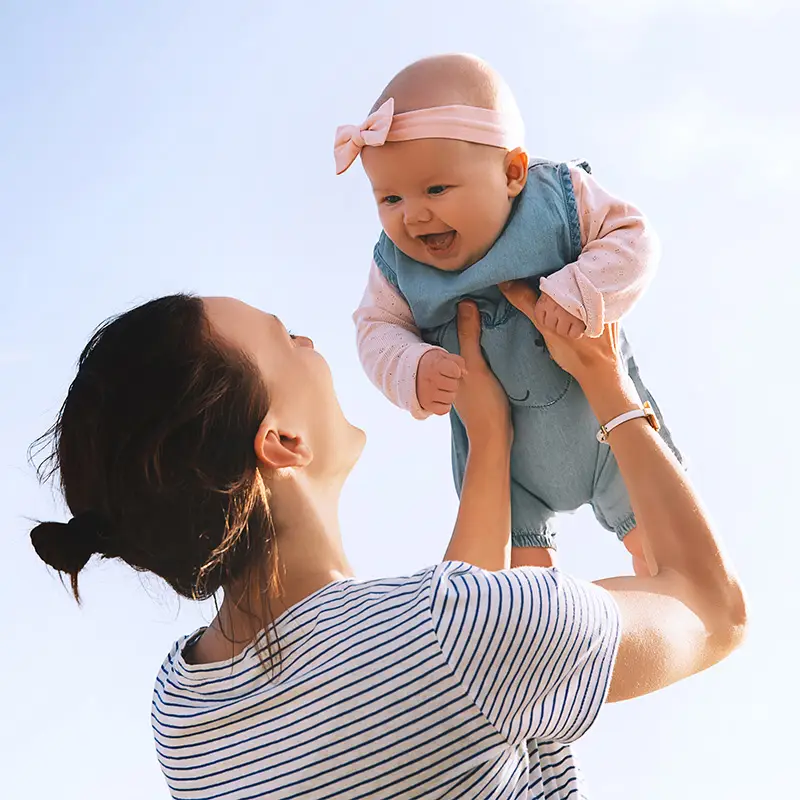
x=516 y=164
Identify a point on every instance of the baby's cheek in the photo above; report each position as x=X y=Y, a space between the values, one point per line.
x=389 y=223
x=385 y=219
x=483 y=228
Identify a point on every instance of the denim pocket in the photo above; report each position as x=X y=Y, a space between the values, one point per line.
x=516 y=352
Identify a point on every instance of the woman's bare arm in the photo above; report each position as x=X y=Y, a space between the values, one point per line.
x=692 y=612
x=482 y=533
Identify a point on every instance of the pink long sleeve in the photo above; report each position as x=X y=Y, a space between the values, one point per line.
x=389 y=342
x=620 y=253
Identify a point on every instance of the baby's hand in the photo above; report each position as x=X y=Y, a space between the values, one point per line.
x=550 y=316
x=438 y=376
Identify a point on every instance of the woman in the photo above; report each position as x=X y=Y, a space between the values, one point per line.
x=204 y=443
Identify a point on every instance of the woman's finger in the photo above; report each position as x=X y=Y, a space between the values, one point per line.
x=469 y=333
x=521 y=295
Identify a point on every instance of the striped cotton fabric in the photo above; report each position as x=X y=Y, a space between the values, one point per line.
x=450 y=683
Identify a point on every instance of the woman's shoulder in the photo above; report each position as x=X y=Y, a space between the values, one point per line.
x=439 y=593
x=335 y=600
x=464 y=595
x=439 y=587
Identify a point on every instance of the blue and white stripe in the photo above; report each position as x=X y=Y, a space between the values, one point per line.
x=451 y=683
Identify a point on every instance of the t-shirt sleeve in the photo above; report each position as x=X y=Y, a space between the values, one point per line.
x=534 y=648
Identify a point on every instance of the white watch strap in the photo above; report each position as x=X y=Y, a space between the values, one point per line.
x=636 y=413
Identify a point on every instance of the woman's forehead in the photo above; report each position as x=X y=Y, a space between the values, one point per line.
x=237 y=321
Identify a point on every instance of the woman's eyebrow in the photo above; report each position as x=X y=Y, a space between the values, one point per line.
x=277 y=321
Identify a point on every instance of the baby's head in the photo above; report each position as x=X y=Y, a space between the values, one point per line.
x=444 y=201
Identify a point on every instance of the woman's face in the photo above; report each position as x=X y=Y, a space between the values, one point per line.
x=302 y=399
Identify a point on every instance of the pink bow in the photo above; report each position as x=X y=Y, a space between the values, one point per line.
x=350 y=139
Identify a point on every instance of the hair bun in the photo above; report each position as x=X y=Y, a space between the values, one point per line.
x=68 y=547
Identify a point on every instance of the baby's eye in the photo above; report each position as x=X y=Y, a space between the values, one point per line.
x=392 y=199
x=436 y=189
x=292 y=336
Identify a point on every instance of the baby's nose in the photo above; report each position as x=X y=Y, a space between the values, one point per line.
x=416 y=213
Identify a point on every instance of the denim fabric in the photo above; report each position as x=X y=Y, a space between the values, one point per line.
x=557 y=464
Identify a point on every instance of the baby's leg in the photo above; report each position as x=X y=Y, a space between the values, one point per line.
x=532 y=530
x=533 y=557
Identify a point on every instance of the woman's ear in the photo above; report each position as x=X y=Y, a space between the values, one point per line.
x=278 y=450
x=516 y=165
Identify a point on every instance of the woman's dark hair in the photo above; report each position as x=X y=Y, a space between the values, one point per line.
x=154 y=449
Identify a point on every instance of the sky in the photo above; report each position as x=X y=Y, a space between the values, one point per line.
x=153 y=147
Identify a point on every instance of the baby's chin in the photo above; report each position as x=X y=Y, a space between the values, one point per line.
x=458 y=264
x=447 y=262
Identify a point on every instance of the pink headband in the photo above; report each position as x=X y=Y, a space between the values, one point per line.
x=466 y=123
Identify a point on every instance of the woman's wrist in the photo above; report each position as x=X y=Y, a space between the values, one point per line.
x=482 y=534
x=495 y=439
x=610 y=393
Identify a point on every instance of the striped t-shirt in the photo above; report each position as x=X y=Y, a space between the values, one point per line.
x=451 y=683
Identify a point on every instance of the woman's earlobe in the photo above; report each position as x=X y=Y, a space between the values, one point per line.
x=276 y=450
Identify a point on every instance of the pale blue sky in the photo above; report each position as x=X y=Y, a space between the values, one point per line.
x=150 y=147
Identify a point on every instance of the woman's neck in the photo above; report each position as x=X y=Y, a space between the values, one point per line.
x=310 y=556
x=310 y=551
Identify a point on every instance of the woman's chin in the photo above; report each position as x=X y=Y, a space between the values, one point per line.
x=358 y=439
x=343 y=451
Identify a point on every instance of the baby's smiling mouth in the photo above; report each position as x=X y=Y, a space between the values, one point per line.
x=438 y=242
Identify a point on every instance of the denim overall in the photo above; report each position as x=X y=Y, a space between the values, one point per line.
x=557 y=464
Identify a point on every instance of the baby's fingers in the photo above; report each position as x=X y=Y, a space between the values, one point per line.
x=445 y=384
x=452 y=366
x=565 y=325
x=440 y=409
x=576 y=330
x=444 y=397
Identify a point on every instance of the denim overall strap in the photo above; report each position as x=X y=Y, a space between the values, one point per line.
x=541 y=236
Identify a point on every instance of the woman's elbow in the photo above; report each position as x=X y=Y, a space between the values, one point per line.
x=731 y=628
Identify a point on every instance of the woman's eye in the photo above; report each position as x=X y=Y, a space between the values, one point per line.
x=436 y=189
x=392 y=199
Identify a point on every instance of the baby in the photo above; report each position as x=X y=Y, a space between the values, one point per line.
x=464 y=208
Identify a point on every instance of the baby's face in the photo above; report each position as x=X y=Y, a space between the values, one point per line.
x=441 y=201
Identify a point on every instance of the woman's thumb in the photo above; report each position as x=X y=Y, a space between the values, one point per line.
x=469 y=331
x=521 y=295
